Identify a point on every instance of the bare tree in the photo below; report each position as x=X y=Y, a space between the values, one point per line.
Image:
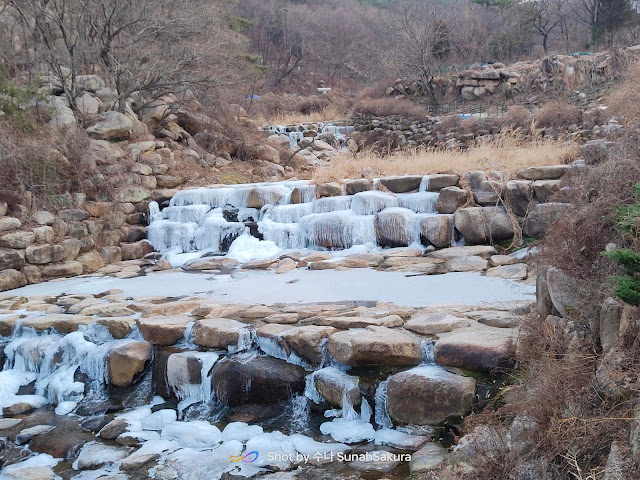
x=546 y=16
x=142 y=46
x=422 y=41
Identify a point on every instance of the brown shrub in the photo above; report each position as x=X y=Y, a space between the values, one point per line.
x=624 y=102
x=517 y=117
x=44 y=162
x=574 y=422
x=558 y=114
x=384 y=107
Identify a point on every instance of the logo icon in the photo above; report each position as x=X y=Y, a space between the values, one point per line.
x=247 y=458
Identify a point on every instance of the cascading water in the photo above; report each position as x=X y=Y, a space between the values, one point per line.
x=212 y=218
x=382 y=417
x=53 y=360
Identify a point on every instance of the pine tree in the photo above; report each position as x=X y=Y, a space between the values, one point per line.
x=628 y=221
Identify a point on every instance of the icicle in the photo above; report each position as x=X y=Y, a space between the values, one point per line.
x=365 y=411
x=424 y=202
x=331 y=204
x=424 y=184
x=372 y=202
x=300 y=414
x=348 y=412
x=382 y=418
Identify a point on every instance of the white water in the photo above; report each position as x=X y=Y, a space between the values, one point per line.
x=53 y=360
x=194 y=220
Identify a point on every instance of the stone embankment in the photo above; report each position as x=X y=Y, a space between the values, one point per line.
x=559 y=73
x=431 y=131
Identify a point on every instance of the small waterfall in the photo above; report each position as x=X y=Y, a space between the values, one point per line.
x=348 y=412
x=52 y=361
x=382 y=418
x=300 y=414
x=424 y=184
x=423 y=202
x=365 y=411
x=178 y=379
x=370 y=203
x=310 y=390
x=198 y=219
x=428 y=357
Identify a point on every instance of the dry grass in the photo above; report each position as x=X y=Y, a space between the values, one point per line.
x=508 y=152
x=624 y=102
x=330 y=113
x=384 y=107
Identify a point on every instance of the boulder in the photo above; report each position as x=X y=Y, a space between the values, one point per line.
x=404 y=184
x=91 y=262
x=359 y=185
x=286 y=265
x=563 y=291
x=429 y=395
x=66 y=269
x=451 y=198
x=502 y=260
x=517 y=271
x=519 y=196
x=43 y=218
x=243 y=380
x=488 y=192
x=17 y=239
x=436 y=230
x=466 y=264
x=135 y=250
x=32 y=274
x=545 y=188
x=11 y=259
x=541 y=217
x=392 y=226
x=552 y=172
x=9 y=223
x=44 y=234
x=169 y=181
x=428 y=458
x=307 y=341
x=111 y=254
x=163 y=330
x=610 y=316
x=218 y=333
x=484 y=251
x=95 y=455
x=210 y=263
x=328 y=190
x=479 y=348
x=127 y=362
x=73 y=215
x=334 y=385
x=132 y=194
x=481 y=225
x=375 y=346
x=10 y=279
x=441 y=181
x=119 y=327
x=435 y=323
x=112 y=126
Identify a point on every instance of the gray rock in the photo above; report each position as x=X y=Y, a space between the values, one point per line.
x=428 y=395
x=451 y=198
x=563 y=291
x=481 y=225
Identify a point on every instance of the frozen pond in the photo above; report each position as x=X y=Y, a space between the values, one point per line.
x=303 y=286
